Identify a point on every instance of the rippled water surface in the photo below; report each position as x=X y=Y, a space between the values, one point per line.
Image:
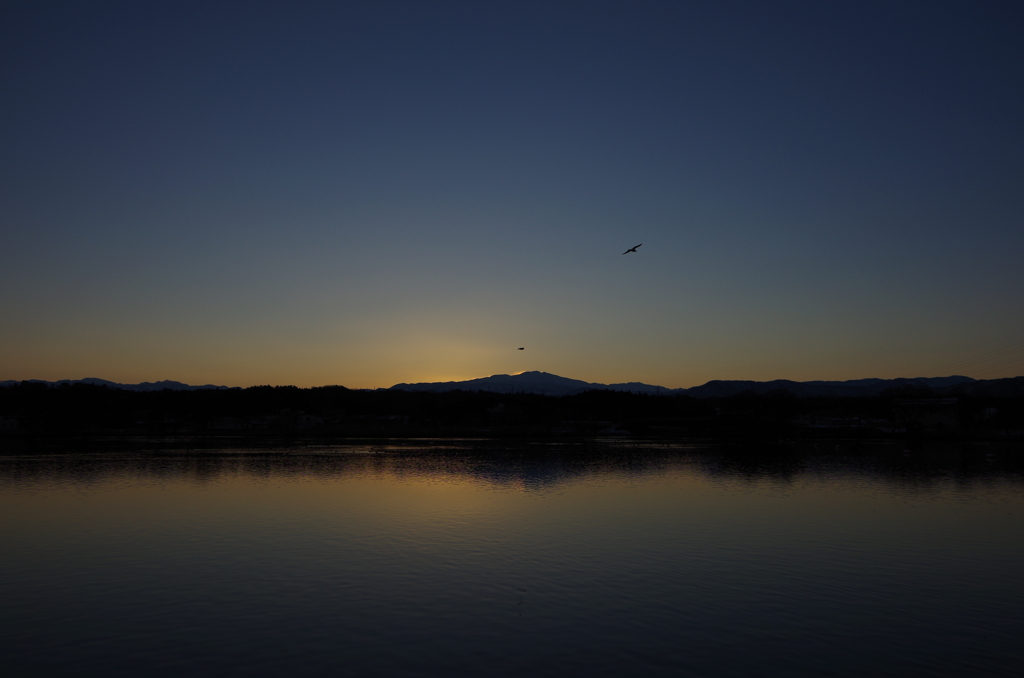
x=438 y=560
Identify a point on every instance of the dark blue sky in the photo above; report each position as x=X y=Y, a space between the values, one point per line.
x=367 y=193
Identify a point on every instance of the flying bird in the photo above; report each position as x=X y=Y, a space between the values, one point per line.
x=521 y=348
x=632 y=249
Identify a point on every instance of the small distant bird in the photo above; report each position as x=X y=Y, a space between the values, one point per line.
x=632 y=249
x=521 y=348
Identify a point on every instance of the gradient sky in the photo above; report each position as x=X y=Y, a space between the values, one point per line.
x=366 y=193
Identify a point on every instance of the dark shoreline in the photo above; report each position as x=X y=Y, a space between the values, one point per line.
x=574 y=446
x=88 y=416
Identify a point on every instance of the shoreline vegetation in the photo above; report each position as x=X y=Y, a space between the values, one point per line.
x=34 y=414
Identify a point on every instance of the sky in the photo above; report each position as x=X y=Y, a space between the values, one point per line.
x=367 y=193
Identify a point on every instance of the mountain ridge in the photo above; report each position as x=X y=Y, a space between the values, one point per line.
x=544 y=383
x=144 y=386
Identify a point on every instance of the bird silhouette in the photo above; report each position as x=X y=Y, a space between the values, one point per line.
x=521 y=348
x=632 y=249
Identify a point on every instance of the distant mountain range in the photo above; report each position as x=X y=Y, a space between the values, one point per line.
x=144 y=386
x=552 y=384
x=544 y=383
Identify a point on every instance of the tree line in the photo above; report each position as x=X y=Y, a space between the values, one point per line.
x=34 y=409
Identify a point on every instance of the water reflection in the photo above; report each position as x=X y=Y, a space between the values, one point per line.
x=440 y=558
x=538 y=467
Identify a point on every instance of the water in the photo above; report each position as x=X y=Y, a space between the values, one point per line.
x=431 y=559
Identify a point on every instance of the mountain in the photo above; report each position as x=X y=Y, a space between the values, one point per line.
x=823 y=389
x=525 y=382
x=1012 y=387
x=545 y=383
x=552 y=384
x=144 y=386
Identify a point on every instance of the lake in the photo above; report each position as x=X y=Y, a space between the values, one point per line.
x=443 y=558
